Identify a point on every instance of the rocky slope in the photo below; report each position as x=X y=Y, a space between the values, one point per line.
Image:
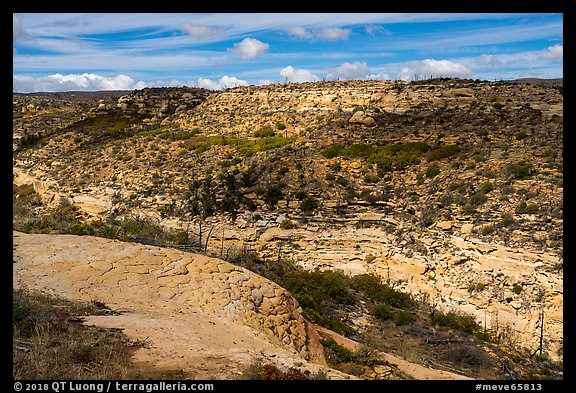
x=202 y=316
x=448 y=189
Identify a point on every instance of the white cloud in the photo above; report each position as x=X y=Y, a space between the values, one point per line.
x=17 y=29
x=223 y=83
x=208 y=84
x=373 y=29
x=231 y=81
x=249 y=48
x=487 y=60
x=94 y=82
x=554 y=52
x=300 y=32
x=355 y=70
x=262 y=82
x=291 y=74
x=201 y=31
x=334 y=33
x=382 y=76
x=530 y=59
x=435 y=68
x=327 y=33
x=71 y=82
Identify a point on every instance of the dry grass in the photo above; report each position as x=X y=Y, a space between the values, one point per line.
x=49 y=343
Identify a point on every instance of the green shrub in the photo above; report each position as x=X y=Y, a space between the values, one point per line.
x=432 y=171
x=343 y=354
x=468 y=209
x=442 y=152
x=398 y=155
x=229 y=163
x=420 y=178
x=467 y=354
x=179 y=135
x=405 y=154
x=315 y=289
x=367 y=356
x=286 y=224
x=488 y=230
x=507 y=220
x=370 y=258
x=332 y=151
x=459 y=186
x=477 y=198
x=264 y=132
x=383 y=165
x=269 y=372
x=446 y=200
x=308 y=204
x=301 y=195
x=81 y=230
x=383 y=312
x=358 y=150
x=280 y=126
x=486 y=187
x=459 y=321
x=407 y=147
x=273 y=194
x=372 y=286
x=476 y=287
x=402 y=318
x=38 y=225
x=336 y=325
x=28 y=140
x=371 y=178
x=521 y=207
x=250 y=147
x=526 y=208
x=520 y=170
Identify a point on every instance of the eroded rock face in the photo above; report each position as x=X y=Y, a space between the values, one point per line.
x=161 y=102
x=504 y=288
x=161 y=281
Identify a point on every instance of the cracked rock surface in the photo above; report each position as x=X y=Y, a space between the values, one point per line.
x=189 y=306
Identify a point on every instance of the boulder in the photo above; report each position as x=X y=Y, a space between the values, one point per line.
x=467 y=228
x=359 y=117
x=444 y=225
x=355 y=165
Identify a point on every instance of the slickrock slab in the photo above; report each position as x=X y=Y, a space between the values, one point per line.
x=213 y=308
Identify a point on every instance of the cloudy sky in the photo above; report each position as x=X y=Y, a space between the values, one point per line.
x=95 y=51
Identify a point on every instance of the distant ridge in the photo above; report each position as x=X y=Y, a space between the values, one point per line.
x=554 y=82
x=79 y=94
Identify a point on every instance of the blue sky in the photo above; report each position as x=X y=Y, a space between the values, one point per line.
x=97 y=51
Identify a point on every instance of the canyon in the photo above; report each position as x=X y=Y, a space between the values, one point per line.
x=448 y=190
